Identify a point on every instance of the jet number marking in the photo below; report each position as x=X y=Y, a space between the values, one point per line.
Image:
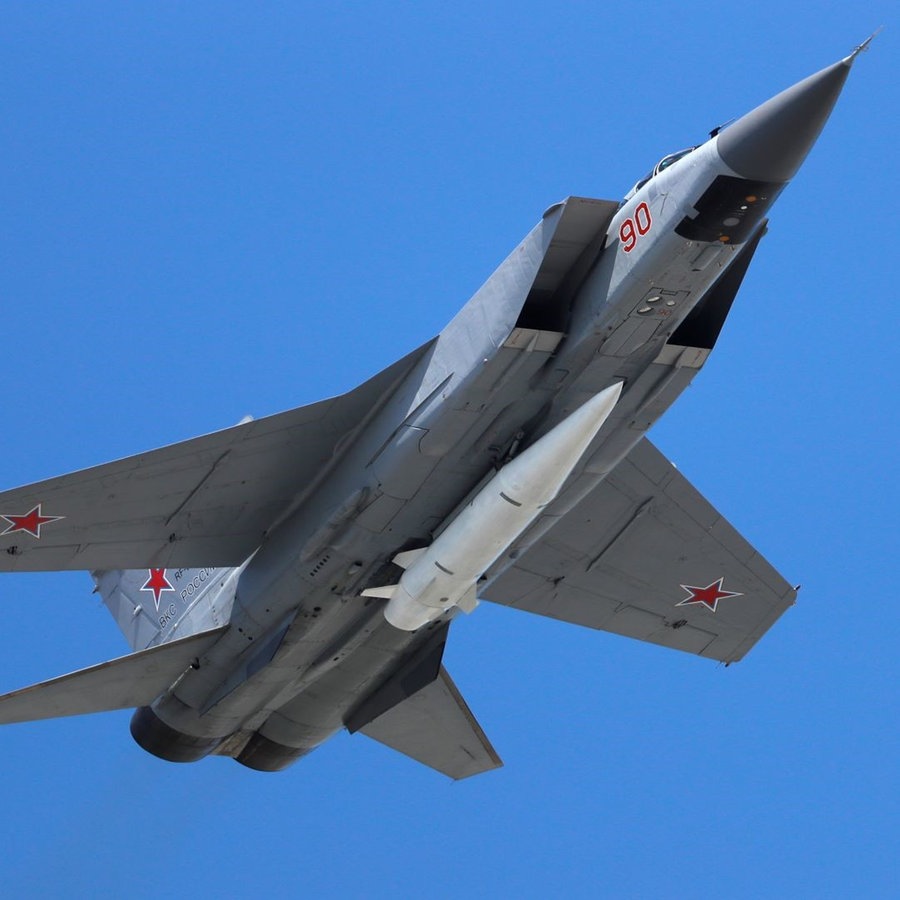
x=638 y=225
x=30 y=522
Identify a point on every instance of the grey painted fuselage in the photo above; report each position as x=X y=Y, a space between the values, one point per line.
x=275 y=655
x=490 y=384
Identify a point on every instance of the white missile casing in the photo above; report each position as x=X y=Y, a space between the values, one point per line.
x=445 y=574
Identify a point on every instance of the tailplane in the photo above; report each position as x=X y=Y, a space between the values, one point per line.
x=130 y=681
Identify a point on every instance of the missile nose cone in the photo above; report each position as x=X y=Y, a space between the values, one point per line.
x=770 y=142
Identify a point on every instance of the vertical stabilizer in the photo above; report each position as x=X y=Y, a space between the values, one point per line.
x=153 y=606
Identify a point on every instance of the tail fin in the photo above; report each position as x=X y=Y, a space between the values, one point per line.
x=153 y=606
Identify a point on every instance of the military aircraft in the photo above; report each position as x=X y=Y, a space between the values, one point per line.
x=295 y=575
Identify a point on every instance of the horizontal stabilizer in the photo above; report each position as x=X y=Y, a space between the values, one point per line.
x=436 y=727
x=123 y=683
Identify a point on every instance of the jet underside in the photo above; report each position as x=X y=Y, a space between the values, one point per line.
x=309 y=523
x=425 y=465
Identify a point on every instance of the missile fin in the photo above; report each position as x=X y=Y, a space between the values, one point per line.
x=385 y=592
x=408 y=557
x=468 y=601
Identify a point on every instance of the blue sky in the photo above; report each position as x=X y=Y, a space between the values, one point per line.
x=218 y=209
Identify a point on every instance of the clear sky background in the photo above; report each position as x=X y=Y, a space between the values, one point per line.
x=214 y=209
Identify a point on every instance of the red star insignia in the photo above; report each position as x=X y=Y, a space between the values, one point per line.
x=709 y=596
x=157 y=583
x=30 y=522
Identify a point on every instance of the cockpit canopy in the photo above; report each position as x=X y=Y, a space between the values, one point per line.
x=664 y=163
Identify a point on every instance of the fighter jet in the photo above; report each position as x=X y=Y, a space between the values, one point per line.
x=298 y=574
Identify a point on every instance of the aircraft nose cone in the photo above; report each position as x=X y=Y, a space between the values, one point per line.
x=770 y=142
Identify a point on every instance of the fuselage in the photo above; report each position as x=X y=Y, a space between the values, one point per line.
x=304 y=646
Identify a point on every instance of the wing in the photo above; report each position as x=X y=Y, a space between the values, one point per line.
x=436 y=727
x=646 y=556
x=206 y=501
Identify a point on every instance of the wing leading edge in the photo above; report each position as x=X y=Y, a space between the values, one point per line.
x=646 y=556
x=205 y=501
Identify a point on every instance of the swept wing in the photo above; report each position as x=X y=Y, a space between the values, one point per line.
x=646 y=556
x=206 y=501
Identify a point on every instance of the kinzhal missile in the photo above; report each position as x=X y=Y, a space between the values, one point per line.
x=445 y=574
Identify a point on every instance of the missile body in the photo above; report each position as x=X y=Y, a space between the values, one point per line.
x=445 y=574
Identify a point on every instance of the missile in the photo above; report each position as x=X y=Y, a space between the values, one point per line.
x=445 y=574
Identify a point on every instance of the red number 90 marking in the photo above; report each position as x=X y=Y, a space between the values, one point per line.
x=631 y=228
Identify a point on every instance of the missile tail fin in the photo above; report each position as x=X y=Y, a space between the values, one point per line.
x=468 y=601
x=385 y=592
x=408 y=557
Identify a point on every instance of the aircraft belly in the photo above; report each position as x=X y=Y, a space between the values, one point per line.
x=629 y=337
x=451 y=434
x=338 y=652
x=409 y=491
x=421 y=472
x=310 y=717
x=299 y=721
